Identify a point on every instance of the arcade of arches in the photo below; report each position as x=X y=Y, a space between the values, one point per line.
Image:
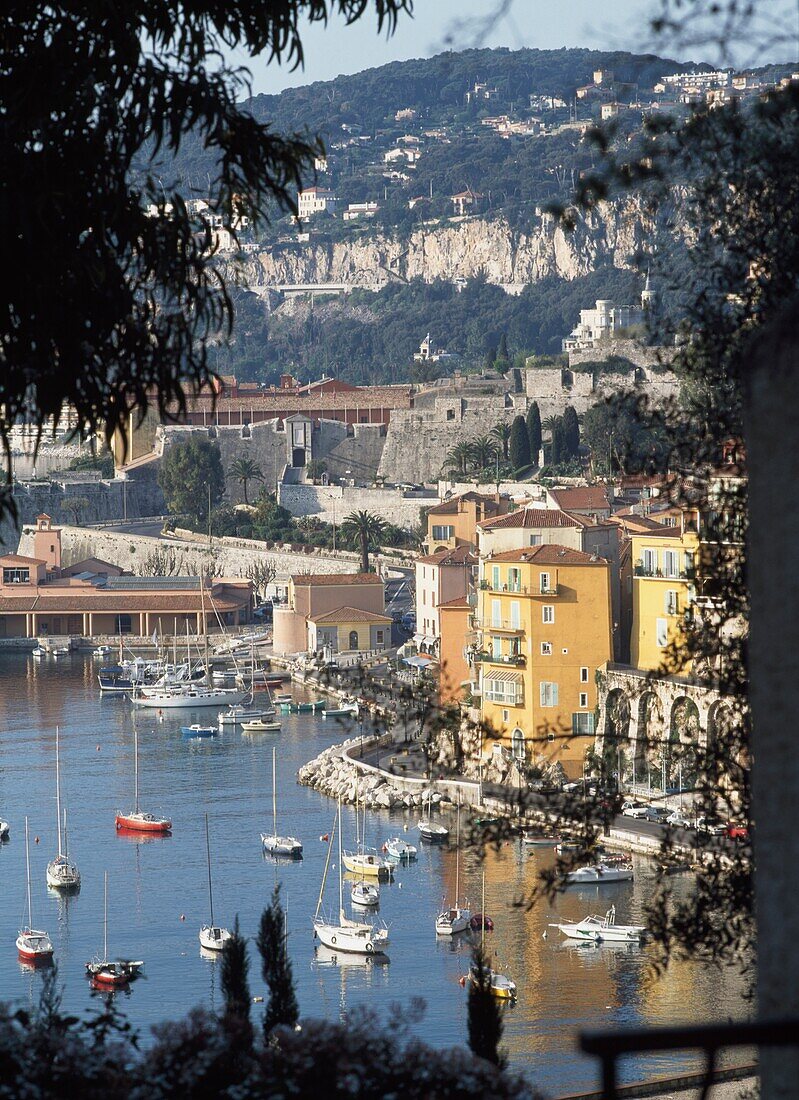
x=649 y=729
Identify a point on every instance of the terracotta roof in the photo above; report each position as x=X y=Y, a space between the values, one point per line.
x=461 y=555
x=450 y=507
x=94 y=599
x=581 y=497
x=336 y=578
x=20 y=559
x=548 y=554
x=531 y=517
x=459 y=602
x=349 y=615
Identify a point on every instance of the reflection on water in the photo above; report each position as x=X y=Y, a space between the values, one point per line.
x=158 y=892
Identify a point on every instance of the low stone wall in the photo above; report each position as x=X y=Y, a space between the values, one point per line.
x=335 y=773
x=332 y=503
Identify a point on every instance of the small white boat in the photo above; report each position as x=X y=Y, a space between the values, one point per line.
x=211 y=936
x=399 y=849
x=600 y=873
x=286 y=847
x=534 y=838
x=260 y=725
x=599 y=929
x=102 y=651
x=367 y=862
x=346 y=709
x=39 y=651
x=283 y=697
x=234 y=716
x=61 y=873
x=61 y=651
x=365 y=893
x=455 y=918
x=5 y=830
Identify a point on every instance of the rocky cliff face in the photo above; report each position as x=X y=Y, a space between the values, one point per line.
x=463 y=249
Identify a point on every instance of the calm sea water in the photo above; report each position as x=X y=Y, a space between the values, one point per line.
x=158 y=894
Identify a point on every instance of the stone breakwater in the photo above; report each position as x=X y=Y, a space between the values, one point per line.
x=334 y=773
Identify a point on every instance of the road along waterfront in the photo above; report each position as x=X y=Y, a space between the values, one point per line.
x=152 y=885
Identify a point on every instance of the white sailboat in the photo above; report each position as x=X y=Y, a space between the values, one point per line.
x=212 y=937
x=355 y=937
x=274 y=845
x=432 y=831
x=33 y=945
x=61 y=873
x=455 y=918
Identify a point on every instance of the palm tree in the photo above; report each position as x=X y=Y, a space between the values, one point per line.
x=367 y=529
x=501 y=432
x=549 y=424
x=245 y=470
x=458 y=457
x=483 y=452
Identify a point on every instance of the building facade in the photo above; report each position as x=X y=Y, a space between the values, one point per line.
x=440 y=578
x=659 y=581
x=314 y=595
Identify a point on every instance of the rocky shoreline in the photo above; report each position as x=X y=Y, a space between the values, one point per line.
x=335 y=774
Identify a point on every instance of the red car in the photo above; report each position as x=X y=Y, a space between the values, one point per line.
x=737 y=831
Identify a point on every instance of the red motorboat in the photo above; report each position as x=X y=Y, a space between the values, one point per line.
x=136 y=821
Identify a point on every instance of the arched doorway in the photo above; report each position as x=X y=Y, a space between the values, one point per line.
x=353 y=639
x=517 y=746
x=682 y=750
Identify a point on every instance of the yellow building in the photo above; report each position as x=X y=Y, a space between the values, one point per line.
x=544 y=615
x=349 y=630
x=660 y=581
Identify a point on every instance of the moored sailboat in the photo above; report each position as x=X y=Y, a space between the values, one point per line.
x=355 y=937
x=137 y=821
x=289 y=847
x=61 y=873
x=454 y=918
x=212 y=937
x=33 y=945
x=104 y=973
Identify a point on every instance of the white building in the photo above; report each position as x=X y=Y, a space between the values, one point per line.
x=316 y=200
x=357 y=210
x=607 y=320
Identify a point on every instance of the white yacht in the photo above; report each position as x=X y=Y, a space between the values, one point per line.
x=600 y=873
x=599 y=929
x=289 y=847
x=61 y=873
x=211 y=936
x=454 y=918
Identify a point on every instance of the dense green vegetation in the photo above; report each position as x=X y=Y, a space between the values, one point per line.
x=371 y=337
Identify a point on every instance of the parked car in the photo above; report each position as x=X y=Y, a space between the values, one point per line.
x=710 y=825
x=737 y=830
x=638 y=813
x=678 y=820
x=659 y=813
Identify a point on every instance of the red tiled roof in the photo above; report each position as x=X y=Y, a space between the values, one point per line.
x=94 y=599
x=582 y=497
x=336 y=578
x=450 y=507
x=548 y=554
x=461 y=555
x=349 y=615
x=458 y=602
x=531 y=517
x=20 y=559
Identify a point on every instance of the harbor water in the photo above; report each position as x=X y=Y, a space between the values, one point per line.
x=158 y=895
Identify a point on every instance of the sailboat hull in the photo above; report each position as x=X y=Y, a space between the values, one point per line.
x=62 y=875
x=143 y=823
x=359 y=940
x=190 y=700
x=286 y=846
x=213 y=938
x=34 y=947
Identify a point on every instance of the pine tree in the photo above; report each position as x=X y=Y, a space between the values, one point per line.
x=519 y=444
x=236 y=987
x=485 y=1015
x=571 y=431
x=534 y=431
x=502 y=349
x=276 y=967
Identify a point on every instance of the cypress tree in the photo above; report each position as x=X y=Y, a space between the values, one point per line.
x=276 y=967
x=485 y=1015
x=235 y=986
x=534 y=431
x=558 y=451
x=519 y=448
x=571 y=431
x=502 y=349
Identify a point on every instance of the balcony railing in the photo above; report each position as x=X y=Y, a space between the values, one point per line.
x=498 y=624
x=677 y=575
x=520 y=589
x=518 y=660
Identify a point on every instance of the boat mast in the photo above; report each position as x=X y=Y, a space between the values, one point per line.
x=28 y=872
x=274 y=791
x=105 y=917
x=340 y=875
x=208 y=853
x=458 y=857
x=58 y=792
x=66 y=845
x=136 y=764
x=324 y=873
x=205 y=633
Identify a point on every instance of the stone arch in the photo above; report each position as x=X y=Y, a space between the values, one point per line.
x=517 y=745
x=616 y=742
x=649 y=739
x=727 y=741
x=682 y=749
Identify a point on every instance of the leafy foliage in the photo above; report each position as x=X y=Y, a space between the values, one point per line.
x=485 y=1014
x=282 y=1008
x=187 y=471
x=369 y=529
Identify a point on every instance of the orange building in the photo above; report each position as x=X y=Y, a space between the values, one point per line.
x=313 y=595
x=454 y=522
x=455 y=618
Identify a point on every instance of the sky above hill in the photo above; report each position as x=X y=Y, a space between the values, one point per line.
x=438 y=25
